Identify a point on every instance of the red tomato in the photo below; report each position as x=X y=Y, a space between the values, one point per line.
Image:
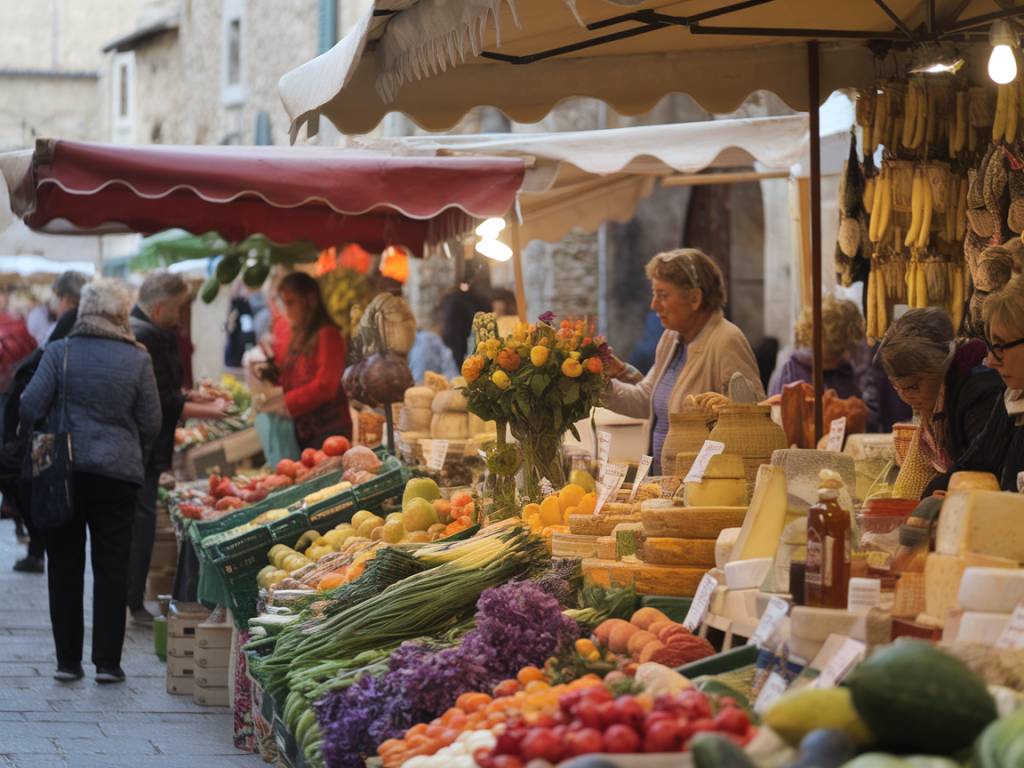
x=704 y=724
x=541 y=744
x=483 y=757
x=589 y=713
x=656 y=716
x=506 y=744
x=506 y=761
x=662 y=736
x=508 y=687
x=584 y=741
x=214 y=481
x=287 y=467
x=609 y=713
x=629 y=711
x=319 y=457
x=621 y=739
x=309 y=457
x=568 y=701
x=733 y=720
x=336 y=445
x=597 y=693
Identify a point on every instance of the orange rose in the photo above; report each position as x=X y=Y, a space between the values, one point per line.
x=594 y=365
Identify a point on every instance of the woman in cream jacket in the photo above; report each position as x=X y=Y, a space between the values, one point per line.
x=699 y=351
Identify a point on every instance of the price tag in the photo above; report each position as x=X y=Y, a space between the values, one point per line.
x=437 y=454
x=836 y=434
x=604 y=447
x=701 y=602
x=1013 y=635
x=838 y=656
x=772 y=689
x=700 y=464
x=771 y=620
x=614 y=476
x=641 y=473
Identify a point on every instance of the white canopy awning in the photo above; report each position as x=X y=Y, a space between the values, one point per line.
x=581 y=179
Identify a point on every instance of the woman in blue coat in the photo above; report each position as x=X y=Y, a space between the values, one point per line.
x=113 y=416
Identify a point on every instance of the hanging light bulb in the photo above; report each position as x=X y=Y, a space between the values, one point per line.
x=490 y=228
x=494 y=249
x=1002 y=63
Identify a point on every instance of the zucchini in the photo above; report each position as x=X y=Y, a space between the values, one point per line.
x=712 y=750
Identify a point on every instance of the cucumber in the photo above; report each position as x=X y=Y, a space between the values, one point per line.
x=917 y=699
x=712 y=750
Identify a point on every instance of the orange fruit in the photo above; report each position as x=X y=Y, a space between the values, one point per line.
x=529 y=674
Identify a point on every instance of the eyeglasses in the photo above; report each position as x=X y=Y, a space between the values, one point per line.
x=906 y=386
x=687 y=261
x=997 y=350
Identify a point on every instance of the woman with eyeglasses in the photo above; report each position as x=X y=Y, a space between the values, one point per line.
x=999 y=448
x=944 y=381
x=699 y=350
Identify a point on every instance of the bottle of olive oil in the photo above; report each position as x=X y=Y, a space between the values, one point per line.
x=828 y=546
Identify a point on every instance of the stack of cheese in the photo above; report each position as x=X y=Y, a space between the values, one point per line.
x=438 y=411
x=980 y=531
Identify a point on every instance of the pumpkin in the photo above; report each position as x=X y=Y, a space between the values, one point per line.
x=385 y=377
x=351 y=382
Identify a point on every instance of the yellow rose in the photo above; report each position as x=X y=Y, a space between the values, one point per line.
x=501 y=380
x=574 y=355
x=571 y=368
x=539 y=355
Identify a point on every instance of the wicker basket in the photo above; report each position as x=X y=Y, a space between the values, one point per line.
x=748 y=431
x=902 y=435
x=902 y=184
x=915 y=473
x=687 y=432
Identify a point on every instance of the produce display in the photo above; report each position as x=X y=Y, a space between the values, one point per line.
x=238 y=399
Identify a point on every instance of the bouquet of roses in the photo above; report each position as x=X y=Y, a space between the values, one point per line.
x=539 y=380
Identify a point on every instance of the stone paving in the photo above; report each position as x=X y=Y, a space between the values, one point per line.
x=46 y=724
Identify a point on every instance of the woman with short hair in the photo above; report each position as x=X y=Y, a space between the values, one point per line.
x=699 y=351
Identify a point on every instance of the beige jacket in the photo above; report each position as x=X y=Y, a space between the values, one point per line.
x=719 y=351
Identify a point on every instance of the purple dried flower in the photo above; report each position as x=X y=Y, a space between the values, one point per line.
x=548 y=318
x=604 y=352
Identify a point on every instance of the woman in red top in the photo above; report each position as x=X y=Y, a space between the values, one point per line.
x=310 y=363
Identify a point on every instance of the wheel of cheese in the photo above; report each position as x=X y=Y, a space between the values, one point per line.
x=645 y=578
x=419 y=397
x=991 y=590
x=570 y=545
x=606 y=549
x=972 y=481
x=983 y=628
x=449 y=426
x=692 y=522
x=698 y=553
x=598 y=525
x=415 y=419
x=449 y=401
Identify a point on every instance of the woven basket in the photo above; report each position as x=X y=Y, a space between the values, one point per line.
x=687 y=432
x=902 y=435
x=938 y=176
x=915 y=473
x=748 y=431
x=902 y=172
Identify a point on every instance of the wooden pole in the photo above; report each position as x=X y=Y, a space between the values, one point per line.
x=517 y=267
x=703 y=179
x=814 y=99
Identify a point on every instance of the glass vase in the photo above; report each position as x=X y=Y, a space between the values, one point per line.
x=542 y=459
x=503 y=463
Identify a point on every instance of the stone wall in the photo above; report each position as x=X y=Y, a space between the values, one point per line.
x=36 y=106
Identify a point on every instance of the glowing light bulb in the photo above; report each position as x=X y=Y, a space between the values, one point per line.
x=490 y=228
x=1002 y=64
x=494 y=249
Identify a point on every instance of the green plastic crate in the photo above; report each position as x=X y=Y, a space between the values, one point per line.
x=675 y=608
x=389 y=482
x=329 y=513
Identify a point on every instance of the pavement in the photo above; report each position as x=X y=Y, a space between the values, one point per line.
x=136 y=724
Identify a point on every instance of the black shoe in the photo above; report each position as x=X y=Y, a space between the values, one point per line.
x=109 y=675
x=21 y=533
x=140 y=617
x=69 y=674
x=30 y=564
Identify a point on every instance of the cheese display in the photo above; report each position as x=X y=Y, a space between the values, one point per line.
x=724 y=545
x=691 y=522
x=991 y=590
x=606 y=549
x=972 y=481
x=724 y=484
x=747 y=574
x=982 y=522
x=449 y=426
x=669 y=551
x=645 y=578
x=763 y=523
x=569 y=545
x=909 y=598
x=942 y=575
x=419 y=397
x=802 y=467
x=984 y=628
x=449 y=401
x=599 y=525
x=628 y=539
x=816 y=624
x=413 y=419
x=792 y=547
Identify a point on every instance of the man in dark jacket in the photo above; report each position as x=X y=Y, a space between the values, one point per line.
x=154 y=322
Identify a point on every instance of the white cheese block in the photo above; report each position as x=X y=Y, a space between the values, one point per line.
x=449 y=426
x=942 y=575
x=449 y=401
x=816 y=624
x=983 y=628
x=414 y=419
x=983 y=522
x=991 y=590
x=802 y=647
x=724 y=544
x=803 y=466
x=419 y=397
x=762 y=526
x=747 y=574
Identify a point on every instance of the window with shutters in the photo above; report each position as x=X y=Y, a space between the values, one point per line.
x=123 y=98
x=233 y=52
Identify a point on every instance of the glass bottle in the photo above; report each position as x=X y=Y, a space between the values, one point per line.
x=828 y=546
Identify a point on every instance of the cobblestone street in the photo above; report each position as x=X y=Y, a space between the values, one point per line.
x=46 y=724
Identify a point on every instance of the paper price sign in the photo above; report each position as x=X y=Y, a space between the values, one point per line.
x=771 y=620
x=701 y=602
x=1013 y=635
x=700 y=464
x=614 y=476
x=836 y=433
x=837 y=664
x=641 y=473
x=437 y=454
x=604 y=447
x=772 y=689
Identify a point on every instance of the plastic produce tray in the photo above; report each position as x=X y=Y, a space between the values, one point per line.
x=389 y=482
x=675 y=608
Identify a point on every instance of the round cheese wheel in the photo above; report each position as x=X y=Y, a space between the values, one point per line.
x=419 y=397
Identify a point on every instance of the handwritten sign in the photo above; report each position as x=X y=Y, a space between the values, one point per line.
x=710 y=449
x=836 y=433
x=838 y=656
x=770 y=622
x=614 y=476
x=701 y=602
x=641 y=473
x=604 y=447
x=1013 y=635
x=772 y=689
x=437 y=454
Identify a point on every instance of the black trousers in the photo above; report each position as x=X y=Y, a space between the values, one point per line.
x=107 y=507
x=143 y=534
x=36 y=542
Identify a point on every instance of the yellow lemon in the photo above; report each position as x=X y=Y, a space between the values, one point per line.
x=587 y=504
x=572 y=368
x=570 y=496
x=539 y=355
x=531 y=509
x=500 y=379
x=550 y=511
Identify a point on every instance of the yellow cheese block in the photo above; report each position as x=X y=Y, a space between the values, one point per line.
x=646 y=579
x=764 y=521
x=909 y=599
x=692 y=522
x=606 y=548
x=942 y=575
x=668 y=551
x=983 y=522
x=972 y=481
x=716 y=492
x=598 y=525
x=571 y=545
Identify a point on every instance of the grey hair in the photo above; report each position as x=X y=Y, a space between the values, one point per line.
x=69 y=284
x=1006 y=307
x=161 y=286
x=920 y=343
x=106 y=297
